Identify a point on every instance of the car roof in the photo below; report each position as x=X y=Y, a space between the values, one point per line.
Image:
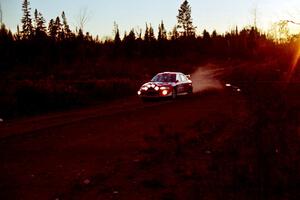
x=170 y=73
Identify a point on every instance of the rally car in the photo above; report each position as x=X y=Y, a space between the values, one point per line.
x=166 y=84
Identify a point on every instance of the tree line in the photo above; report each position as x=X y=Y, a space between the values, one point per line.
x=41 y=44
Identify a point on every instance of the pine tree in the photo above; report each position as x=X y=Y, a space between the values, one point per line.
x=39 y=22
x=174 y=33
x=52 y=30
x=206 y=35
x=146 y=36
x=59 y=30
x=80 y=35
x=130 y=42
x=214 y=34
x=151 y=34
x=206 y=39
x=162 y=33
x=27 y=29
x=131 y=36
x=184 y=19
x=35 y=19
x=5 y=34
x=117 y=39
x=67 y=33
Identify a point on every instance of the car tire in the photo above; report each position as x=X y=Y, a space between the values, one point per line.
x=174 y=93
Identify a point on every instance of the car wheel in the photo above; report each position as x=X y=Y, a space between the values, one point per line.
x=174 y=93
x=190 y=91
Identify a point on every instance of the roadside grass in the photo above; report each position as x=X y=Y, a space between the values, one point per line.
x=31 y=97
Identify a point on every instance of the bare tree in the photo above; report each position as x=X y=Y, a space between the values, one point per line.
x=279 y=31
x=254 y=13
x=83 y=18
x=293 y=22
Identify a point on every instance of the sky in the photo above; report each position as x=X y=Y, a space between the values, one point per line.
x=219 y=15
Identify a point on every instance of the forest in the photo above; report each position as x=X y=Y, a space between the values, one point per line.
x=46 y=66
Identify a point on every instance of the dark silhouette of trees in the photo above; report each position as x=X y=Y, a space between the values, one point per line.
x=116 y=31
x=130 y=37
x=5 y=34
x=80 y=35
x=185 y=22
x=6 y=41
x=162 y=33
x=67 y=33
x=46 y=44
x=206 y=38
x=40 y=27
x=149 y=34
x=52 y=30
x=214 y=34
x=27 y=28
x=206 y=35
x=146 y=36
x=129 y=42
x=59 y=30
x=117 y=41
x=174 y=33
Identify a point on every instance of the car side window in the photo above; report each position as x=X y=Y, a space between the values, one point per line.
x=183 y=78
x=178 y=78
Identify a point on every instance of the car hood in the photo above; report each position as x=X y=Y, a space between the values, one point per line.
x=159 y=84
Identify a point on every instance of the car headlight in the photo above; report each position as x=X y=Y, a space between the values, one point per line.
x=165 y=92
x=156 y=88
x=144 y=88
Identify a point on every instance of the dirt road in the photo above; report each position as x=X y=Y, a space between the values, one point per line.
x=203 y=146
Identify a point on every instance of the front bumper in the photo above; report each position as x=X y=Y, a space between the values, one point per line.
x=151 y=93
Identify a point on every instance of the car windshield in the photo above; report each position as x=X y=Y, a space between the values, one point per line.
x=164 y=78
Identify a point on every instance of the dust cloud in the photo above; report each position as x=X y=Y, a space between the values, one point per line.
x=206 y=78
